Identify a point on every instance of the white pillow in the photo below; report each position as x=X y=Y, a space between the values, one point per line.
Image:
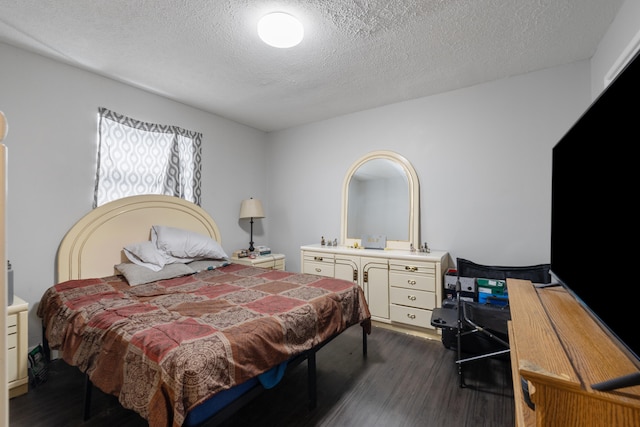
x=180 y=245
x=145 y=254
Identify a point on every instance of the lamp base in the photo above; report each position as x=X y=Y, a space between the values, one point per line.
x=251 y=248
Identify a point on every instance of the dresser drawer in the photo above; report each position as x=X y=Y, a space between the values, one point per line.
x=318 y=263
x=422 y=282
x=412 y=298
x=271 y=264
x=12 y=361
x=12 y=322
x=321 y=268
x=12 y=340
x=419 y=267
x=318 y=256
x=12 y=347
x=411 y=316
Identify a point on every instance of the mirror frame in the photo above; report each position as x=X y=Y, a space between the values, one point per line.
x=414 y=201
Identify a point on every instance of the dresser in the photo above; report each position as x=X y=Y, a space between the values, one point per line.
x=17 y=357
x=270 y=261
x=401 y=287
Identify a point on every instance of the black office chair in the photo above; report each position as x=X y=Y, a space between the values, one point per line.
x=481 y=328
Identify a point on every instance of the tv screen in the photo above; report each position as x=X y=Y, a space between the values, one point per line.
x=593 y=220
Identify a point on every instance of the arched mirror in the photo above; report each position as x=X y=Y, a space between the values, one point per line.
x=380 y=197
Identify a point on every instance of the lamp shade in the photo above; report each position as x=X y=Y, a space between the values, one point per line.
x=251 y=208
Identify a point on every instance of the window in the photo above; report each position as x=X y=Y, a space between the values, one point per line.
x=144 y=158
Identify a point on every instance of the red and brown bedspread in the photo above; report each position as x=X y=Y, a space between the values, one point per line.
x=167 y=346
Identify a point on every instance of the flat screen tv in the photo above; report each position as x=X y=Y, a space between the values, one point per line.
x=594 y=222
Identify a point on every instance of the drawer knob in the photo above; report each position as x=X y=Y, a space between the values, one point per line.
x=317 y=258
x=411 y=282
x=411 y=297
x=410 y=268
x=411 y=316
x=318 y=270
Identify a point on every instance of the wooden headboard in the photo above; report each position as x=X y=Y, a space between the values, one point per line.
x=94 y=244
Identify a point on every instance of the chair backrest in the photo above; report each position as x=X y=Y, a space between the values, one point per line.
x=535 y=273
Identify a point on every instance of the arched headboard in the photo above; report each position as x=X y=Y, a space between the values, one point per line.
x=94 y=244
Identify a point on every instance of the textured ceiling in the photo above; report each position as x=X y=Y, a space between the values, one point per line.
x=356 y=54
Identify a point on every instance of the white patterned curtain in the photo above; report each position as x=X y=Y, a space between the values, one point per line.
x=145 y=158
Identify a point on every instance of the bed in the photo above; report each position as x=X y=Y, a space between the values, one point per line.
x=184 y=348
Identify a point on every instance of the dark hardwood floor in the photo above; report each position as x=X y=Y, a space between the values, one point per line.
x=404 y=381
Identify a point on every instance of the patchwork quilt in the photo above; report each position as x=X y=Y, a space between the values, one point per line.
x=167 y=346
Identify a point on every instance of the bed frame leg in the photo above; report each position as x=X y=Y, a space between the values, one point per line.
x=45 y=345
x=311 y=376
x=364 y=343
x=88 y=387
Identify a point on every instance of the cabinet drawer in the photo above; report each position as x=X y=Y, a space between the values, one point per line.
x=12 y=340
x=12 y=347
x=271 y=264
x=320 y=268
x=419 y=267
x=12 y=363
x=411 y=316
x=318 y=257
x=12 y=321
x=412 y=298
x=422 y=282
x=318 y=263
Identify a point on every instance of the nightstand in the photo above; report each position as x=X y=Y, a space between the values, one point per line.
x=17 y=336
x=271 y=261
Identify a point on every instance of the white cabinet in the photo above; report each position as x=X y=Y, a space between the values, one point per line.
x=375 y=282
x=401 y=287
x=17 y=358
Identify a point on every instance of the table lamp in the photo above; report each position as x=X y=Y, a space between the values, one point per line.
x=251 y=208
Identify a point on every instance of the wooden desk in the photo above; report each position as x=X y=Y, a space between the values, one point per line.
x=560 y=349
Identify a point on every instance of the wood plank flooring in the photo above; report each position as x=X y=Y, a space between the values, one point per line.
x=404 y=381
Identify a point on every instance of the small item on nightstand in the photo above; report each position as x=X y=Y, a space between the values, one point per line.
x=242 y=253
x=335 y=242
x=322 y=242
x=412 y=248
x=425 y=248
x=263 y=250
x=329 y=243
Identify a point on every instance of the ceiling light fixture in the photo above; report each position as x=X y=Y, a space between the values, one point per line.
x=280 y=29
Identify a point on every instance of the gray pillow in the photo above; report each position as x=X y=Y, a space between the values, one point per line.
x=138 y=275
x=145 y=254
x=180 y=245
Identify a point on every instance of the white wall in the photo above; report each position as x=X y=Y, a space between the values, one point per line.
x=51 y=110
x=482 y=155
x=624 y=28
